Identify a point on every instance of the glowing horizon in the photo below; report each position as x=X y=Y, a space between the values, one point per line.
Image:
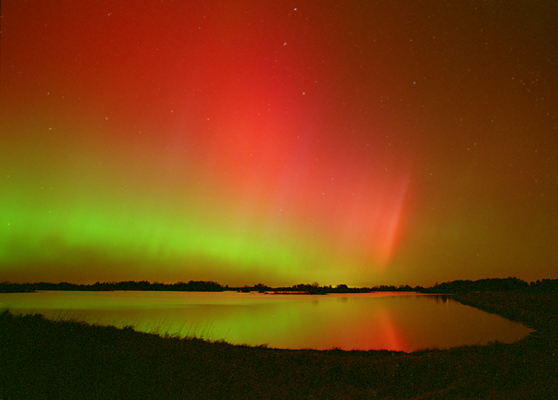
x=276 y=143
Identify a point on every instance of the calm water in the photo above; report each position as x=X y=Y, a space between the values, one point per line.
x=390 y=321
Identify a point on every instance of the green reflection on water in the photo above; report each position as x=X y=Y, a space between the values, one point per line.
x=405 y=322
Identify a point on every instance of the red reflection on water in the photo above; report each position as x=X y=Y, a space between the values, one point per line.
x=392 y=338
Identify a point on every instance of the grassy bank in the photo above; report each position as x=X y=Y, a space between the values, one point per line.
x=535 y=310
x=42 y=359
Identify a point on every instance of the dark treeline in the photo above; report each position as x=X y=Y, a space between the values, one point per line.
x=197 y=286
x=494 y=285
x=192 y=286
x=454 y=287
x=342 y=288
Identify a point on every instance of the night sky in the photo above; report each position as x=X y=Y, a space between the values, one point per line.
x=281 y=142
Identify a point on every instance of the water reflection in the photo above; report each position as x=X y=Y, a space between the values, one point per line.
x=392 y=321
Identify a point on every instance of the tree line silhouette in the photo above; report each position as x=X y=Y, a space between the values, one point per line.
x=192 y=286
x=494 y=285
x=453 y=287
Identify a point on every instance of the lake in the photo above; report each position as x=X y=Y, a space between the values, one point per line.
x=392 y=321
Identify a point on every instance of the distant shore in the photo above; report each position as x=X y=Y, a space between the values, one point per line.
x=454 y=287
x=198 y=286
x=64 y=359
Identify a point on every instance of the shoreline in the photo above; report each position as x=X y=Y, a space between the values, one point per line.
x=47 y=359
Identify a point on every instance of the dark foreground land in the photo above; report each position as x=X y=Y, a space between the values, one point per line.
x=41 y=359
